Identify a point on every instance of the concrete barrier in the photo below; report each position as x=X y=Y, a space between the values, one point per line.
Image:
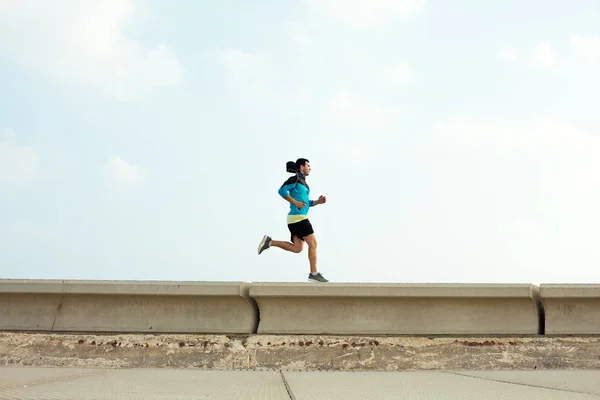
x=571 y=309
x=419 y=309
x=127 y=306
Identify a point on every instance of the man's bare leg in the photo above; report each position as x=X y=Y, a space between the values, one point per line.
x=295 y=247
x=311 y=241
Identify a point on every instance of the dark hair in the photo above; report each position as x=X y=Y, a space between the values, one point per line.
x=300 y=162
x=294 y=167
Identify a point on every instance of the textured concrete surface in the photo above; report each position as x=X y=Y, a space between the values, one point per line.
x=301 y=352
x=571 y=381
x=392 y=309
x=107 y=287
x=571 y=309
x=289 y=308
x=149 y=384
x=139 y=384
x=424 y=386
x=127 y=306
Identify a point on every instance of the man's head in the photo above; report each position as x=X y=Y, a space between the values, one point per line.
x=303 y=166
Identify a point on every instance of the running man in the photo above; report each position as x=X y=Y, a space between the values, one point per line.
x=296 y=191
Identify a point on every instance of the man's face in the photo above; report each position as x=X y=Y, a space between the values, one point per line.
x=305 y=169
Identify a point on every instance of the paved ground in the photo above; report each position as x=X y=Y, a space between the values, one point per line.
x=29 y=383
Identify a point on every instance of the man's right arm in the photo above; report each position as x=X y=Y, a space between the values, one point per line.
x=284 y=191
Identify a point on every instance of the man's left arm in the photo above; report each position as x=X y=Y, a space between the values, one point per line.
x=322 y=199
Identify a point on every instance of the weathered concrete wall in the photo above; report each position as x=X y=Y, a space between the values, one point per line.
x=299 y=308
x=298 y=352
x=440 y=309
x=571 y=309
x=330 y=327
x=107 y=306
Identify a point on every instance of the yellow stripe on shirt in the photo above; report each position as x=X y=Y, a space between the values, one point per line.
x=292 y=219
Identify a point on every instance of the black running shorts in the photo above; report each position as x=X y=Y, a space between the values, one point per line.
x=301 y=229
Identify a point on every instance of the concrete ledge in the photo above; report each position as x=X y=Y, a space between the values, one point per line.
x=127 y=306
x=571 y=309
x=397 y=309
x=171 y=288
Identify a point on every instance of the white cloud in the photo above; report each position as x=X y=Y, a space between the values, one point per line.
x=249 y=78
x=301 y=37
x=367 y=13
x=8 y=133
x=543 y=56
x=352 y=110
x=341 y=147
x=534 y=182
x=509 y=53
x=241 y=64
x=84 y=41
x=537 y=134
x=400 y=73
x=357 y=124
x=124 y=172
x=586 y=47
x=18 y=164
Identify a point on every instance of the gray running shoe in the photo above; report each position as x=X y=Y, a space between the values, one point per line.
x=265 y=243
x=316 y=278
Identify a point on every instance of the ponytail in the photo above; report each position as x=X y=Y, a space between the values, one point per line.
x=290 y=167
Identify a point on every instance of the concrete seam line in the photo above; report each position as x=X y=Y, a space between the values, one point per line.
x=518 y=383
x=60 y=304
x=541 y=312
x=257 y=317
x=542 y=316
x=287 y=386
x=253 y=305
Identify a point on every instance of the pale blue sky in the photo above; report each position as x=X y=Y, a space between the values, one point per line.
x=455 y=141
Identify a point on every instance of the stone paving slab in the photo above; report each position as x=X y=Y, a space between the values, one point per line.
x=140 y=384
x=419 y=386
x=576 y=381
x=24 y=376
x=34 y=383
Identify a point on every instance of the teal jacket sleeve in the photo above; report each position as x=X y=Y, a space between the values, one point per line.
x=285 y=190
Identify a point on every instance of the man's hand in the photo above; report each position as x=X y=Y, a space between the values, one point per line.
x=300 y=204
x=322 y=200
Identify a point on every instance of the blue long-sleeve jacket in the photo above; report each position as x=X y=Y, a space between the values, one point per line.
x=297 y=187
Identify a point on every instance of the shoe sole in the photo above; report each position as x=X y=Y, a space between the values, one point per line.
x=316 y=281
x=262 y=244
